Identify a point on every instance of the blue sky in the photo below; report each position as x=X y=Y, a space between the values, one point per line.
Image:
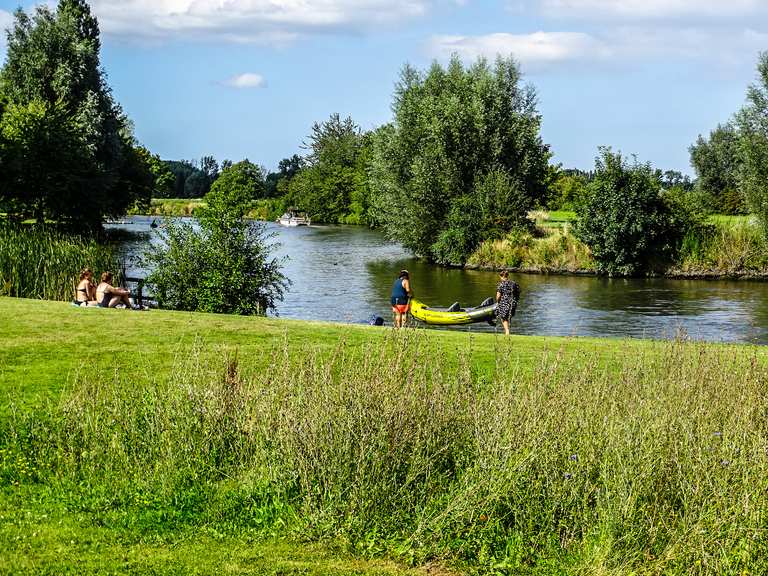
x=247 y=78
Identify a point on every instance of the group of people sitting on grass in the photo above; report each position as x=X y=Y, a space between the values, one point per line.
x=104 y=294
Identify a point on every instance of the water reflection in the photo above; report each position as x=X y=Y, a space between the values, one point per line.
x=345 y=274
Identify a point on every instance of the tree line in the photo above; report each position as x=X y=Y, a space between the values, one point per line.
x=462 y=160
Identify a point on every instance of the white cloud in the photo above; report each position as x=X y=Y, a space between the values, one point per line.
x=538 y=48
x=246 y=80
x=729 y=45
x=653 y=9
x=262 y=21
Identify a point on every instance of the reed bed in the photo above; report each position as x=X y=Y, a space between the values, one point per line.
x=658 y=465
x=45 y=263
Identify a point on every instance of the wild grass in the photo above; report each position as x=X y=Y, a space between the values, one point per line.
x=657 y=467
x=45 y=264
x=554 y=249
x=173 y=207
x=731 y=246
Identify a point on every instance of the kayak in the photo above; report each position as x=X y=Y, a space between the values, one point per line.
x=486 y=312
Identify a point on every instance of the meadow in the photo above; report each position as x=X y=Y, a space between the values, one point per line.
x=162 y=442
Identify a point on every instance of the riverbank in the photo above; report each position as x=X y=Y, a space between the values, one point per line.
x=136 y=439
x=727 y=248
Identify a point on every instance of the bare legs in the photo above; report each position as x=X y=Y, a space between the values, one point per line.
x=399 y=320
x=505 y=323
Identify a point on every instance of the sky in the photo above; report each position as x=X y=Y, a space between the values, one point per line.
x=247 y=78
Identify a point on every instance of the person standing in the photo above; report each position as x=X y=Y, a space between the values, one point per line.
x=507 y=294
x=400 y=299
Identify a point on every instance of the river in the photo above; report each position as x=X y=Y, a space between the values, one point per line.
x=345 y=273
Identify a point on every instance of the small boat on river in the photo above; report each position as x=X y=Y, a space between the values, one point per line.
x=454 y=314
x=292 y=219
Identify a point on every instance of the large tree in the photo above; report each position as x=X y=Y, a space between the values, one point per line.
x=462 y=161
x=329 y=187
x=752 y=122
x=717 y=162
x=52 y=82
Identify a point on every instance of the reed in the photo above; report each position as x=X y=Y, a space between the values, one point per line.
x=45 y=264
x=655 y=466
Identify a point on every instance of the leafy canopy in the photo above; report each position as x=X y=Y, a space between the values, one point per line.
x=225 y=265
x=463 y=160
x=68 y=149
x=752 y=122
x=625 y=218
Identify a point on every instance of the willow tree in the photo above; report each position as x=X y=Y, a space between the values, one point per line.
x=752 y=122
x=462 y=161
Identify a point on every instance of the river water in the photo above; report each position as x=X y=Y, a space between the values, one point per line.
x=345 y=273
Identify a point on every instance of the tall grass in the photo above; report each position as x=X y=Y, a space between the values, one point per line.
x=46 y=264
x=556 y=249
x=732 y=246
x=657 y=465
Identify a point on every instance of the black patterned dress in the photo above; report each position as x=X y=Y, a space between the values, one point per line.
x=507 y=302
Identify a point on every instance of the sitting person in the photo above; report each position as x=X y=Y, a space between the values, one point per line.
x=85 y=295
x=110 y=297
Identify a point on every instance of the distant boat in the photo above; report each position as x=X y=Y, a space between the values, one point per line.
x=292 y=219
x=118 y=221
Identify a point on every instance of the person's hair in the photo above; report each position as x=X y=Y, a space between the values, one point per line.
x=404 y=274
x=106 y=277
x=84 y=272
x=504 y=274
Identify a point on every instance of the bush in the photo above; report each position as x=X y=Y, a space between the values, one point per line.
x=223 y=265
x=625 y=219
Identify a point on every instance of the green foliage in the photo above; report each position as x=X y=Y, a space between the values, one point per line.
x=527 y=471
x=224 y=265
x=752 y=121
x=69 y=152
x=460 y=137
x=626 y=220
x=717 y=161
x=566 y=189
x=333 y=186
x=46 y=264
x=163 y=178
x=276 y=183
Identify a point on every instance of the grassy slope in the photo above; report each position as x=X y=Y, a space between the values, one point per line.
x=44 y=346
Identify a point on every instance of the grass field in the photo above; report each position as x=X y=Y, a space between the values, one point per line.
x=175 y=443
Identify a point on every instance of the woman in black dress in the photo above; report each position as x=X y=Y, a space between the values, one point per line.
x=506 y=299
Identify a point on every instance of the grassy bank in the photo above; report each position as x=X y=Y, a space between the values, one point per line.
x=728 y=246
x=269 y=209
x=190 y=433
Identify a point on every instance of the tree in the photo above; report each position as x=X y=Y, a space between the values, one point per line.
x=752 y=122
x=52 y=75
x=624 y=218
x=458 y=135
x=163 y=178
x=717 y=162
x=276 y=183
x=331 y=181
x=225 y=266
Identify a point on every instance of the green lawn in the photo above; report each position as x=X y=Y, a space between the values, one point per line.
x=80 y=525
x=45 y=346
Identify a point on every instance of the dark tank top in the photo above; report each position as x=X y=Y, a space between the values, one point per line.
x=399 y=295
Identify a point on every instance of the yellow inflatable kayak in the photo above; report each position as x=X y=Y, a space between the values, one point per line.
x=454 y=315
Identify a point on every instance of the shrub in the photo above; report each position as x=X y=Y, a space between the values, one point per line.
x=223 y=265
x=625 y=220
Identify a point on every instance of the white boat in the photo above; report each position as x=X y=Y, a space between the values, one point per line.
x=292 y=219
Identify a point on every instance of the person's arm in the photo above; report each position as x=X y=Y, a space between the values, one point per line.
x=117 y=291
x=407 y=287
x=498 y=295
